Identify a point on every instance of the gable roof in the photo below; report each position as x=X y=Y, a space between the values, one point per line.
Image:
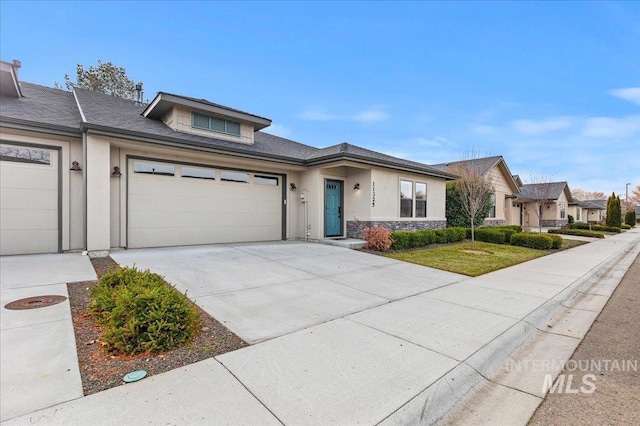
x=594 y=204
x=532 y=191
x=93 y=112
x=483 y=165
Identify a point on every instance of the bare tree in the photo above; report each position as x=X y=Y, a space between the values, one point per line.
x=583 y=195
x=539 y=191
x=474 y=190
x=635 y=194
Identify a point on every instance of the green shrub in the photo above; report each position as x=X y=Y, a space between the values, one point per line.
x=630 y=218
x=378 y=239
x=570 y=219
x=490 y=235
x=535 y=241
x=140 y=313
x=425 y=237
x=625 y=226
x=577 y=232
x=557 y=241
x=401 y=240
x=600 y=228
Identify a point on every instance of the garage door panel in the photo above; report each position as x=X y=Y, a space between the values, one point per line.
x=175 y=210
x=28 y=176
x=16 y=241
x=29 y=219
x=16 y=198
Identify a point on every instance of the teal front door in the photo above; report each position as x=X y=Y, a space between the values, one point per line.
x=333 y=208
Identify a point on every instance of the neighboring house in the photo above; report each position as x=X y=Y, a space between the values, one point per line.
x=555 y=214
x=503 y=211
x=575 y=210
x=86 y=171
x=594 y=210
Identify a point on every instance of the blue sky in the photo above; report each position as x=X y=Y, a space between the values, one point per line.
x=552 y=87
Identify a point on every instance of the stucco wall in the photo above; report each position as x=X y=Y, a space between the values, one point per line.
x=179 y=119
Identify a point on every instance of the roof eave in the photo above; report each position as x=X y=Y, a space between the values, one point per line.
x=18 y=124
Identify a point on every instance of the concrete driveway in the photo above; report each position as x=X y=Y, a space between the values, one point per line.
x=265 y=290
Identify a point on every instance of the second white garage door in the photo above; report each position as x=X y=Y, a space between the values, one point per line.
x=175 y=204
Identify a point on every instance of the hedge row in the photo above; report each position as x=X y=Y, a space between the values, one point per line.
x=404 y=240
x=578 y=232
x=594 y=227
x=534 y=241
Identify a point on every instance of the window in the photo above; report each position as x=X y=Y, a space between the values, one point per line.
x=562 y=211
x=219 y=125
x=231 y=176
x=406 y=198
x=25 y=155
x=265 y=180
x=492 y=210
x=578 y=210
x=163 y=169
x=198 y=172
x=421 y=199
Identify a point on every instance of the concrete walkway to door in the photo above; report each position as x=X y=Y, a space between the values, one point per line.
x=265 y=290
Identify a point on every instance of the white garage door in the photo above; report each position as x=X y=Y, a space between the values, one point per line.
x=174 y=204
x=28 y=200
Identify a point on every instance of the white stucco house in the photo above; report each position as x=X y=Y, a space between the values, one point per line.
x=81 y=170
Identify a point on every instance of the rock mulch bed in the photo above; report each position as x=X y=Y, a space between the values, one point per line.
x=101 y=370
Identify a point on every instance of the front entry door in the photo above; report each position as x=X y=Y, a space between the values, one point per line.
x=333 y=208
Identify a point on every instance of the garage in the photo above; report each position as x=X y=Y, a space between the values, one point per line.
x=171 y=204
x=29 y=199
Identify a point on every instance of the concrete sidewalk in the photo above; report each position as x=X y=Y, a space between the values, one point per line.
x=441 y=355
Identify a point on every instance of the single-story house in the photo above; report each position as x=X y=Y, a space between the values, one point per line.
x=593 y=211
x=82 y=170
x=556 y=196
x=503 y=211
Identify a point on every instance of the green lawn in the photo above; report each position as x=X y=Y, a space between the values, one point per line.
x=454 y=258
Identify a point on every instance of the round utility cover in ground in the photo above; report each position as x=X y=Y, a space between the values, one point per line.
x=35 y=302
x=134 y=376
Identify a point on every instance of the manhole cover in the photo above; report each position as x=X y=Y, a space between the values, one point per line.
x=35 y=302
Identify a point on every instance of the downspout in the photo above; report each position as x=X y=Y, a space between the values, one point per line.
x=84 y=169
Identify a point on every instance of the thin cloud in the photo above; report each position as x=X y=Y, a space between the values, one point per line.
x=538 y=127
x=367 y=116
x=607 y=127
x=631 y=94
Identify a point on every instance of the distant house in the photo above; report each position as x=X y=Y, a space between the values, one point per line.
x=594 y=210
x=83 y=170
x=505 y=186
x=558 y=196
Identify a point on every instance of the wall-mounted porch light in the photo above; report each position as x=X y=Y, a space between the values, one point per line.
x=75 y=166
x=293 y=186
x=356 y=186
x=116 y=171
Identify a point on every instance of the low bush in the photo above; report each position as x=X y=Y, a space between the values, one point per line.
x=600 y=228
x=490 y=235
x=450 y=235
x=378 y=238
x=577 y=232
x=630 y=218
x=535 y=241
x=140 y=313
x=625 y=226
x=425 y=237
x=402 y=240
x=557 y=241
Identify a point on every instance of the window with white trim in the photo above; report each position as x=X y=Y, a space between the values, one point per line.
x=492 y=210
x=198 y=172
x=413 y=199
x=150 y=168
x=562 y=211
x=25 y=155
x=220 y=125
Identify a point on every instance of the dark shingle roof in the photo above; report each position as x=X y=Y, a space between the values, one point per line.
x=594 y=204
x=346 y=150
x=533 y=191
x=111 y=114
x=483 y=165
x=42 y=105
x=206 y=102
